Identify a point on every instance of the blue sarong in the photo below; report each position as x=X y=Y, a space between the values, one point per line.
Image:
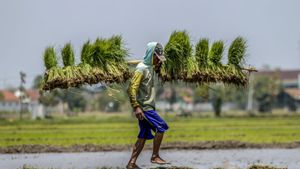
x=153 y=122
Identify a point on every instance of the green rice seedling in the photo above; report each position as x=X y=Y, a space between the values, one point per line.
x=237 y=51
x=192 y=70
x=50 y=59
x=121 y=70
x=53 y=72
x=53 y=78
x=163 y=74
x=101 y=61
x=85 y=70
x=86 y=53
x=100 y=52
x=73 y=77
x=67 y=54
x=177 y=51
x=235 y=76
x=72 y=74
x=108 y=60
x=236 y=56
x=216 y=71
x=88 y=73
x=201 y=54
x=98 y=75
x=216 y=52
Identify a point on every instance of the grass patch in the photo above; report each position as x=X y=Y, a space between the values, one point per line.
x=123 y=129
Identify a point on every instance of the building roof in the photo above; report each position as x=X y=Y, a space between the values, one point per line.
x=9 y=96
x=294 y=92
x=34 y=95
x=282 y=74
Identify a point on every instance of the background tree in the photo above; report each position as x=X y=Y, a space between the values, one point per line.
x=217 y=96
x=37 y=82
x=201 y=94
x=265 y=90
x=1 y=96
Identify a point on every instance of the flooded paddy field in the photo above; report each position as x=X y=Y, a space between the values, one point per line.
x=200 y=159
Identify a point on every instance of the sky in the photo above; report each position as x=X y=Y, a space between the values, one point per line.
x=271 y=27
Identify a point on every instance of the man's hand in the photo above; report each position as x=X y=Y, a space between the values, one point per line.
x=139 y=114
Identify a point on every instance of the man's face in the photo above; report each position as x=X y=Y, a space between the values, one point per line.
x=157 y=63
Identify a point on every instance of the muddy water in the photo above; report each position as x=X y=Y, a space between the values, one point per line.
x=202 y=159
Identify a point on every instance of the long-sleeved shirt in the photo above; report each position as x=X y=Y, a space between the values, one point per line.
x=141 y=87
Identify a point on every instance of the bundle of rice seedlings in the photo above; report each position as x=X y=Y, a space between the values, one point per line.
x=86 y=53
x=237 y=51
x=215 y=54
x=192 y=71
x=87 y=72
x=120 y=58
x=72 y=73
x=236 y=56
x=105 y=61
x=67 y=54
x=178 y=50
x=50 y=59
x=53 y=72
x=201 y=55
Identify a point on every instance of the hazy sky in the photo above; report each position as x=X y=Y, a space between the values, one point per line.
x=272 y=28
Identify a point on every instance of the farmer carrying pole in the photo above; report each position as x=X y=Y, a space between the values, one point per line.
x=142 y=94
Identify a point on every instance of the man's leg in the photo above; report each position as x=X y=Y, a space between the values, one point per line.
x=137 y=148
x=156 y=145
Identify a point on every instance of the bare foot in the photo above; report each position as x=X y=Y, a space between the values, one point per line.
x=158 y=160
x=132 y=166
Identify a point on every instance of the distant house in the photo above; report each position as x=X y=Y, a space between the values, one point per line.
x=290 y=95
x=9 y=101
x=33 y=95
x=289 y=78
x=294 y=93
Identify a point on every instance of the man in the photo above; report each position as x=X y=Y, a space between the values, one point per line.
x=142 y=94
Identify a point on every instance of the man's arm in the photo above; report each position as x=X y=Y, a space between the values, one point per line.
x=133 y=88
x=132 y=92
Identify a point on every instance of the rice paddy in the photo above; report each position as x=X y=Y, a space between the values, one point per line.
x=105 y=129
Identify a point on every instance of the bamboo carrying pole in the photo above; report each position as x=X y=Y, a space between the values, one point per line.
x=135 y=62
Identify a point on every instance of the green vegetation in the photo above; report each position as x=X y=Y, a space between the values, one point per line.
x=122 y=129
x=67 y=54
x=202 y=49
x=178 y=50
x=216 y=52
x=236 y=57
x=237 y=51
x=105 y=61
x=86 y=52
x=101 y=61
x=50 y=58
x=205 y=64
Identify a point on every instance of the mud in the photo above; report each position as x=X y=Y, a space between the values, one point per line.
x=198 y=159
x=215 y=145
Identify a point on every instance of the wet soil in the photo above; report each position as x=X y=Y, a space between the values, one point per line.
x=199 y=159
x=166 y=146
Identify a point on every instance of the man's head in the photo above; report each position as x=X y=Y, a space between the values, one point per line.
x=158 y=56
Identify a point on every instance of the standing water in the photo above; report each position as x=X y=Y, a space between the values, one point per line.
x=202 y=159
